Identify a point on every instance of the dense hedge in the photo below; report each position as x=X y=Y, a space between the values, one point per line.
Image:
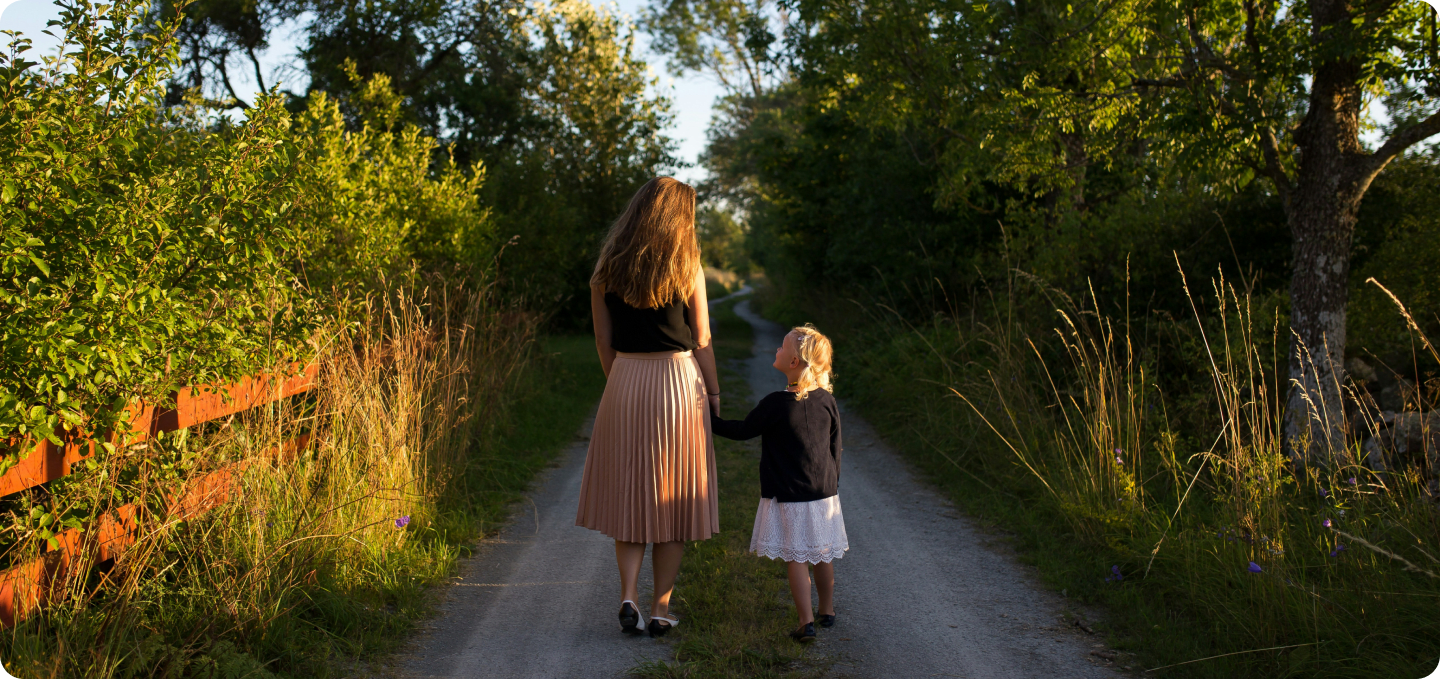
x=148 y=247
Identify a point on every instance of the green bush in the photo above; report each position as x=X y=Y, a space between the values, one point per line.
x=148 y=248
x=143 y=250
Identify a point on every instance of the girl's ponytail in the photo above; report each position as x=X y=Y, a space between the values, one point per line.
x=815 y=351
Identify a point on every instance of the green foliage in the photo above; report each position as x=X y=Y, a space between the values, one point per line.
x=559 y=190
x=386 y=208
x=142 y=251
x=722 y=240
x=729 y=39
x=922 y=149
x=550 y=98
x=150 y=248
x=1397 y=243
x=829 y=202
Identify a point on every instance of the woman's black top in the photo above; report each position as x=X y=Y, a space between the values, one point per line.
x=799 y=444
x=643 y=331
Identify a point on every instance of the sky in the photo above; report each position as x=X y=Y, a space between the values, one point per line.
x=693 y=95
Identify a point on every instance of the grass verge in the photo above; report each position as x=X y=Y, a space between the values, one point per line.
x=735 y=605
x=434 y=419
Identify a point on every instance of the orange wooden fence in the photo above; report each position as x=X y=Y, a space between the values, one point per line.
x=27 y=586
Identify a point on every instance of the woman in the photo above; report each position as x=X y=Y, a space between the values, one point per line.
x=650 y=470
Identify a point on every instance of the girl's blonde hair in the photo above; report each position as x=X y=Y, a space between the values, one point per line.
x=651 y=256
x=814 y=350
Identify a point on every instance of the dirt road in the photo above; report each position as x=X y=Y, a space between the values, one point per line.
x=537 y=600
x=919 y=594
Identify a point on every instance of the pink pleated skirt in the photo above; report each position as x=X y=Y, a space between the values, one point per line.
x=650 y=470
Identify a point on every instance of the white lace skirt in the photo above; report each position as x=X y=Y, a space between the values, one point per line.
x=813 y=532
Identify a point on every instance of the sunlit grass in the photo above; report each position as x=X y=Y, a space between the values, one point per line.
x=432 y=415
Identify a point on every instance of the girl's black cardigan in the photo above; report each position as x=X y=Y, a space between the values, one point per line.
x=799 y=444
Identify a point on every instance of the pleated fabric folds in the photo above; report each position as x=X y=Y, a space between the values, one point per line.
x=650 y=469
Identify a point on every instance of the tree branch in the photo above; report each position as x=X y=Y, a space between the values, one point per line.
x=259 y=79
x=1208 y=56
x=225 y=78
x=1401 y=140
x=1172 y=81
x=1270 y=147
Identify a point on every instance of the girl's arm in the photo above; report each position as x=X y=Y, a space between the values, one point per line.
x=704 y=352
x=835 y=446
x=753 y=425
x=600 y=317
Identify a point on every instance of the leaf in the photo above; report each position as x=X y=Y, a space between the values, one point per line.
x=7 y=192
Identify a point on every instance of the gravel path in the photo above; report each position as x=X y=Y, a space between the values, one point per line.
x=537 y=600
x=921 y=593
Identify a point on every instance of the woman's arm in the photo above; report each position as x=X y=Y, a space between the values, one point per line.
x=600 y=317
x=704 y=352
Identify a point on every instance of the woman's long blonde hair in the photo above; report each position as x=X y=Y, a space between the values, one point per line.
x=651 y=255
x=815 y=351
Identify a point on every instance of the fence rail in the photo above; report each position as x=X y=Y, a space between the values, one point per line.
x=28 y=586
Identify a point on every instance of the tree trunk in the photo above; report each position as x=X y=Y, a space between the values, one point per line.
x=1322 y=221
x=1321 y=208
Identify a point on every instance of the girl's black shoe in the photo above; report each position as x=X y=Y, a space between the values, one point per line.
x=805 y=634
x=629 y=617
x=825 y=620
x=659 y=626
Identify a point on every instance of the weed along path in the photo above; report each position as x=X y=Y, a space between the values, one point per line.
x=920 y=594
x=536 y=600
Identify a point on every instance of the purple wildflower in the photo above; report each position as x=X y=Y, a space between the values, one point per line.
x=1118 y=460
x=1324 y=493
x=1337 y=550
x=1255 y=567
x=1119 y=451
x=1115 y=573
x=1326 y=523
x=1350 y=480
x=402 y=522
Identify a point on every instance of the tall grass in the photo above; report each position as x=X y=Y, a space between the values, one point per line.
x=320 y=555
x=1181 y=510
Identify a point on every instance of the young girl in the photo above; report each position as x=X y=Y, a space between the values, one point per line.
x=799 y=516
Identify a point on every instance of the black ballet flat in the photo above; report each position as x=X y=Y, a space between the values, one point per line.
x=660 y=626
x=825 y=620
x=629 y=618
x=804 y=634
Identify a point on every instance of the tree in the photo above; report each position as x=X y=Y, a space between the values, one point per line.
x=730 y=40
x=548 y=96
x=213 y=33
x=1043 y=95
